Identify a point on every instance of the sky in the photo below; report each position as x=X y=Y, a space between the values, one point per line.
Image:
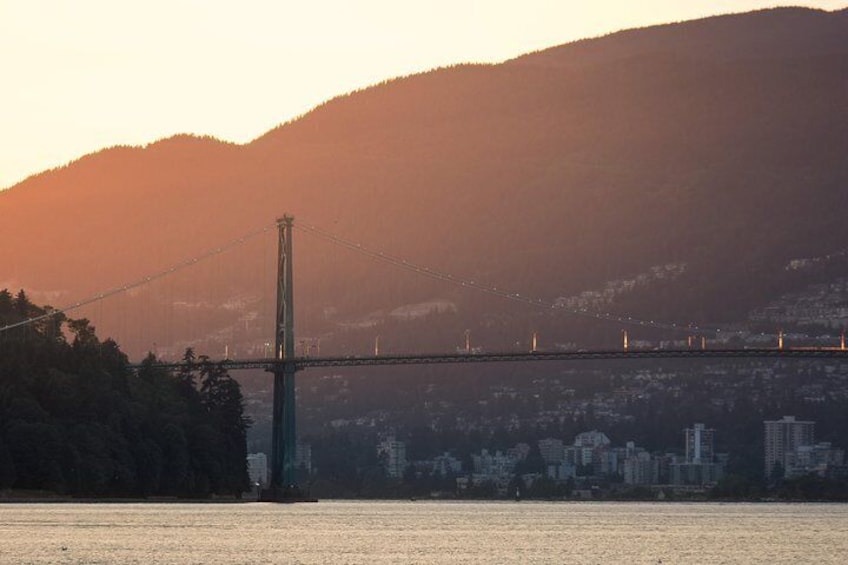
x=77 y=76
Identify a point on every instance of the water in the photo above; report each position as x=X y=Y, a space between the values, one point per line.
x=423 y=532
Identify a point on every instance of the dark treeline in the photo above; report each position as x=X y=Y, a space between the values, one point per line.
x=75 y=420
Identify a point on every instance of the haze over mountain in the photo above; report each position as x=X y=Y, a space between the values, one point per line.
x=712 y=151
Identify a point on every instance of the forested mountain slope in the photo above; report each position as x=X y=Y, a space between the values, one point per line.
x=715 y=145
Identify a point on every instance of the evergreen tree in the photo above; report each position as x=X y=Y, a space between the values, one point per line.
x=75 y=419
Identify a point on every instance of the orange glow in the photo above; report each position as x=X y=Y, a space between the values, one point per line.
x=81 y=76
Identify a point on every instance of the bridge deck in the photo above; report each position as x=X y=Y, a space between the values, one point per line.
x=455 y=358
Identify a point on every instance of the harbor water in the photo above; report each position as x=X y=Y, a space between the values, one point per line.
x=342 y=532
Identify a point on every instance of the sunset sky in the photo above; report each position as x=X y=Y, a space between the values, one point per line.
x=82 y=75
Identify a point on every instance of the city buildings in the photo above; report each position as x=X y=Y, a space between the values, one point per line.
x=552 y=450
x=257 y=469
x=699 y=466
x=445 y=465
x=593 y=449
x=496 y=468
x=303 y=457
x=782 y=439
x=791 y=451
x=699 y=444
x=393 y=453
x=639 y=467
x=257 y=464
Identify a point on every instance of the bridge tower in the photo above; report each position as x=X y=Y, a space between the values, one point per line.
x=283 y=487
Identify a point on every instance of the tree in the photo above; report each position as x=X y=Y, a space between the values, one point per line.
x=35 y=450
x=22 y=305
x=74 y=419
x=6 y=307
x=222 y=398
x=84 y=334
x=185 y=377
x=176 y=472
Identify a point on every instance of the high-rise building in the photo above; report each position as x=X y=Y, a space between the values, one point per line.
x=394 y=453
x=699 y=444
x=699 y=467
x=303 y=457
x=552 y=450
x=639 y=468
x=591 y=439
x=257 y=469
x=782 y=440
x=821 y=458
x=447 y=465
x=592 y=447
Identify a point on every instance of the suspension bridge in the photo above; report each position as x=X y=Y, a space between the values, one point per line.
x=284 y=363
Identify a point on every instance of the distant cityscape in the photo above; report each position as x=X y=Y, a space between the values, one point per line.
x=590 y=463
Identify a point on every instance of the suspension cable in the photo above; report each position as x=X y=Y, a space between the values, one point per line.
x=381 y=256
x=474 y=285
x=145 y=280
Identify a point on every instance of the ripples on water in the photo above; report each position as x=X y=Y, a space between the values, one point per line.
x=423 y=532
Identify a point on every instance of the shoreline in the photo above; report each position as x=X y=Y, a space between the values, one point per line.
x=168 y=500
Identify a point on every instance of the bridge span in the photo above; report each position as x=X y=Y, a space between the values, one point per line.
x=459 y=358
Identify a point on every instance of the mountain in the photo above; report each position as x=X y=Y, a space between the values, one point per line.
x=712 y=150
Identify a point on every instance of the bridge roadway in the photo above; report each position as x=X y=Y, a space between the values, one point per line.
x=373 y=361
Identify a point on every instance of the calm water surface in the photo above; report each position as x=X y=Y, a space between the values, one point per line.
x=423 y=532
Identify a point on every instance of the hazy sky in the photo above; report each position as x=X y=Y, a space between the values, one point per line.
x=80 y=75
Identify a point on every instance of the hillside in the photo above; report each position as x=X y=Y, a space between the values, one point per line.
x=717 y=145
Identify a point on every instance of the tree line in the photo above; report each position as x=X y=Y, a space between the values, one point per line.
x=76 y=420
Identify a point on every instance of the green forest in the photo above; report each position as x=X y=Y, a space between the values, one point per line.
x=76 y=420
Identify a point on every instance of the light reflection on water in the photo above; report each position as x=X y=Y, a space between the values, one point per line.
x=423 y=532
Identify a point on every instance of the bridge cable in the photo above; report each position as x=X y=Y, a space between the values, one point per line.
x=474 y=285
x=145 y=280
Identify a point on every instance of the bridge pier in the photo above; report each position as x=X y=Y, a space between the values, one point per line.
x=283 y=487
